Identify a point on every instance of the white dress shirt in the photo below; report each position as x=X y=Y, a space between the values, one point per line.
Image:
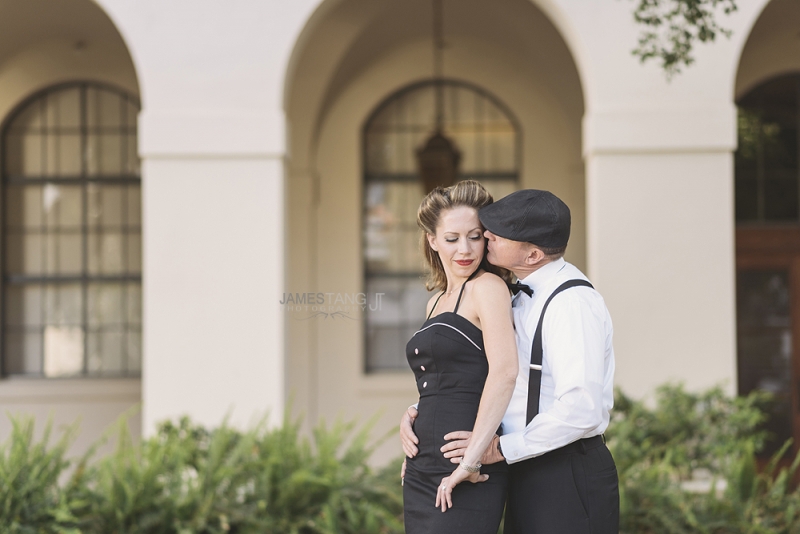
x=577 y=366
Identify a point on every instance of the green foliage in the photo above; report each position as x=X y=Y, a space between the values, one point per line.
x=32 y=500
x=658 y=450
x=187 y=479
x=673 y=26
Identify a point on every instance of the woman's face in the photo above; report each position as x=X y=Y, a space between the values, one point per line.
x=459 y=241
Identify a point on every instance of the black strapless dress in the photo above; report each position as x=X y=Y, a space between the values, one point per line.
x=450 y=366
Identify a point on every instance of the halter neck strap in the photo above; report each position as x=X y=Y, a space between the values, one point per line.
x=434 y=305
x=460 y=293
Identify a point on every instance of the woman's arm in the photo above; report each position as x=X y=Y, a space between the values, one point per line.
x=493 y=304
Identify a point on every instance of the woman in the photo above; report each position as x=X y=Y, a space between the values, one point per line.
x=464 y=358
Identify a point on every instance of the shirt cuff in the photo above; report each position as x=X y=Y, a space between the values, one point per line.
x=415 y=406
x=513 y=447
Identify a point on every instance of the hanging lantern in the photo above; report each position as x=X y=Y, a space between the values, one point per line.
x=437 y=162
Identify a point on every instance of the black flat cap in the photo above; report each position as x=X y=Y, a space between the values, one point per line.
x=531 y=216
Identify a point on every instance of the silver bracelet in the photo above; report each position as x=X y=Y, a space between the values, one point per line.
x=471 y=468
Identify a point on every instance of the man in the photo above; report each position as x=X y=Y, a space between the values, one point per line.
x=562 y=479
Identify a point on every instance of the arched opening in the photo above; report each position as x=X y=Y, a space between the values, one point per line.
x=358 y=55
x=70 y=207
x=767 y=177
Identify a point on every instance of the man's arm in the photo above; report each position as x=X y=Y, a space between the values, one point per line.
x=576 y=334
x=575 y=342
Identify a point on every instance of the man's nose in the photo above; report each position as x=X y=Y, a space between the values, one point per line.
x=488 y=235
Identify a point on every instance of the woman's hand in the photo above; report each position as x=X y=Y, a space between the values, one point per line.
x=444 y=495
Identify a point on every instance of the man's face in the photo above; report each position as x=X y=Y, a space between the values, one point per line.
x=505 y=252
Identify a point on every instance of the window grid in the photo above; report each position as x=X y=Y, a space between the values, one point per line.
x=489 y=139
x=99 y=171
x=768 y=157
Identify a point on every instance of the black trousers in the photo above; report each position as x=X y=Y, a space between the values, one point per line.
x=572 y=490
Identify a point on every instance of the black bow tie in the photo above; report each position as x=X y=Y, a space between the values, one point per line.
x=517 y=287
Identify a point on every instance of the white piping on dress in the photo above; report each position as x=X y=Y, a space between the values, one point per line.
x=449 y=326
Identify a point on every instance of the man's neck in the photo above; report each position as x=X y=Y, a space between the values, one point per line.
x=522 y=274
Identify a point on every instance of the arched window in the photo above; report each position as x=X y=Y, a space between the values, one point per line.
x=768 y=250
x=488 y=138
x=767 y=178
x=71 y=250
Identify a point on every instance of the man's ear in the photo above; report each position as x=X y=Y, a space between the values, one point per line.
x=535 y=256
x=431 y=241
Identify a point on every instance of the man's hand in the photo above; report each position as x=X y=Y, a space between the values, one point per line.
x=408 y=439
x=457 y=446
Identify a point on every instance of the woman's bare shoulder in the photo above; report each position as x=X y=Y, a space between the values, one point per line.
x=490 y=284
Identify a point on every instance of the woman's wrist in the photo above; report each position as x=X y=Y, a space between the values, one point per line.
x=470 y=468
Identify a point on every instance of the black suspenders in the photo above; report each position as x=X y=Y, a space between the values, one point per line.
x=535 y=375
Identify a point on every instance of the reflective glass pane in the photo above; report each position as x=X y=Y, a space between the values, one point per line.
x=106 y=304
x=105 y=352
x=24 y=206
x=134 y=351
x=391 y=235
x=63 y=304
x=105 y=253
x=64 y=253
x=133 y=300
x=63 y=206
x=392 y=318
x=27 y=157
x=24 y=254
x=64 y=108
x=24 y=305
x=29 y=119
x=132 y=162
x=500 y=188
x=63 y=351
x=133 y=196
x=65 y=158
x=765 y=344
x=103 y=108
x=767 y=167
x=500 y=150
x=134 y=242
x=23 y=352
x=104 y=154
x=106 y=207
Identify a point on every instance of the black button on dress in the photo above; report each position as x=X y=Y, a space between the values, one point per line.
x=450 y=366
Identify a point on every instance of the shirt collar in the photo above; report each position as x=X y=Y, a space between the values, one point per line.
x=540 y=277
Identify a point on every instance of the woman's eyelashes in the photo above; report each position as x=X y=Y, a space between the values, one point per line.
x=472 y=238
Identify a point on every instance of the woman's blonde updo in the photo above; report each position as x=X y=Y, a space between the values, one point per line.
x=469 y=193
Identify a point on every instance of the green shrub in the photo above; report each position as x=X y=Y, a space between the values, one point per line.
x=31 y=498
x=657 y=450
x=189 y=479
x=186 y=479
